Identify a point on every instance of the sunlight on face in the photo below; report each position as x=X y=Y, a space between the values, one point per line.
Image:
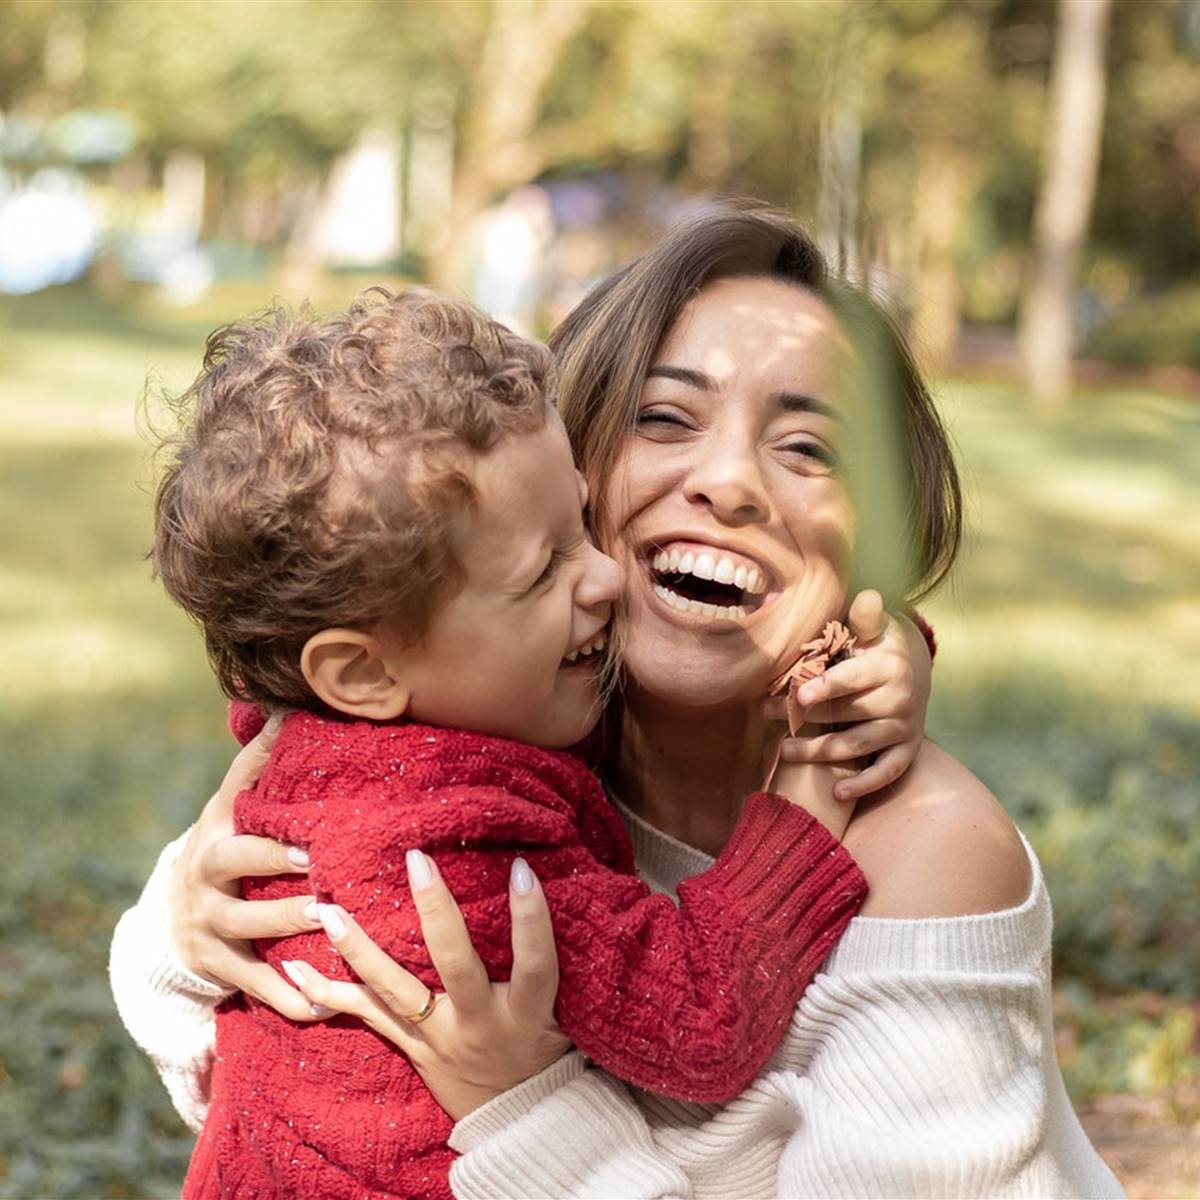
x=728 y=510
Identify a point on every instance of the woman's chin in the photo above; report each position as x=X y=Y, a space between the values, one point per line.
x=696 y=680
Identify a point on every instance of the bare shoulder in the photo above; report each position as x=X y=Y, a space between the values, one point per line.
x=938 y=844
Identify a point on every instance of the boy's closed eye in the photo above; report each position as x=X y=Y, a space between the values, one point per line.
x=548 y=572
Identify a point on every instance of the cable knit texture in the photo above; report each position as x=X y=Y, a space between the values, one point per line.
x=688 y=1001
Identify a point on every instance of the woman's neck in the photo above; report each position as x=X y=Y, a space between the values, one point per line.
x=687 y=771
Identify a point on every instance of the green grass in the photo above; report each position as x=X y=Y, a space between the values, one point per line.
x=1066 y=680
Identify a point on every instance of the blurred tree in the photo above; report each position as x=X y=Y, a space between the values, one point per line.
x=909 y=132
x=1147 y=218
x=502 y=142
x=1077 y=92
x=265 y=94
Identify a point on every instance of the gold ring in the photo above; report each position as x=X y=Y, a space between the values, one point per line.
x=417 y=1017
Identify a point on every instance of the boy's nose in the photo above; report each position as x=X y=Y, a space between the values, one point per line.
x=602 y=581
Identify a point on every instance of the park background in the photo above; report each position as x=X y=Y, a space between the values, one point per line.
x=1019 y=178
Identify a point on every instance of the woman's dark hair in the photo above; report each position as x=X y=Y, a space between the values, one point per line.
x=607 y=343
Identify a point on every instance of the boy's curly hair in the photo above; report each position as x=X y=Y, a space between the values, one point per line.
x=319 y=468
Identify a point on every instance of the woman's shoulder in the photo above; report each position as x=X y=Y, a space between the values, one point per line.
x=938 y=844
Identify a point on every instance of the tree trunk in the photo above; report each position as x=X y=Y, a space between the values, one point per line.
x=1064 y=207
x=523 y=46
x=945 y=180
x=839 y=166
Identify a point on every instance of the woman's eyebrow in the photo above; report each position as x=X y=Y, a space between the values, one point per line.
x=788 y=401
x=797 y=402
x=696 y=379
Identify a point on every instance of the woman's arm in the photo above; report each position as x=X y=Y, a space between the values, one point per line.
x=602 y=1143
x=167 y=1009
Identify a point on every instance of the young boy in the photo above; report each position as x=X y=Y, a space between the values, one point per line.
x=376 y=520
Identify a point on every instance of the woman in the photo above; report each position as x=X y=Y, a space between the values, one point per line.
x=723 y=395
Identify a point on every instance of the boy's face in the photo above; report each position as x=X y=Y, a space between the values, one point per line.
x=495 y=657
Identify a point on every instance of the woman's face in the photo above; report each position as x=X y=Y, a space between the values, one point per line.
x=726 y=505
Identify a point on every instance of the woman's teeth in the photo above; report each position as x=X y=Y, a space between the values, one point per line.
x=699 y=607
x=711 y=567
x=591 y=648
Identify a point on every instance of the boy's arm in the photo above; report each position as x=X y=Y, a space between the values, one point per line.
x=690 y=1002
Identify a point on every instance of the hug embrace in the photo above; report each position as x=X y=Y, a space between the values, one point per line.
x=534 y=884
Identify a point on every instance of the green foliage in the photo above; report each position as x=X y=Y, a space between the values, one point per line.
x=1107 y=795
x=1158 y=330
x=81 y=1111
x=1135 y=1043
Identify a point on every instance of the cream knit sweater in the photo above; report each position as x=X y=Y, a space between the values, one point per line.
x=919 y=1063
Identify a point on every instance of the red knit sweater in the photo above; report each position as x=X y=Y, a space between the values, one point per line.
x=689 y=1002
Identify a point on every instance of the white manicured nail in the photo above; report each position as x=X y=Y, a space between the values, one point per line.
x=319 y=1010
x=311 y=912
x=331 y=920
x=522 y=876
x=419 y=874
x=298 y=857
x=293 y=973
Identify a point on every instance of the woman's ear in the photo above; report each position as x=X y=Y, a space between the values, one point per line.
x=353 y=673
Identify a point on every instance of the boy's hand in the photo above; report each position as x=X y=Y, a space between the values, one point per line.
x=810 y=786
x=881 y=691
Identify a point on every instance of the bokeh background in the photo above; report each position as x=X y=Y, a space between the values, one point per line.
x=1021 y=180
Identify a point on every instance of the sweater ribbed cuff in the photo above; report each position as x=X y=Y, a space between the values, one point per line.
x=785 y=870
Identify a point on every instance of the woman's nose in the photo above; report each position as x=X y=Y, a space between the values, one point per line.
x=729 y=482
x=601 y=582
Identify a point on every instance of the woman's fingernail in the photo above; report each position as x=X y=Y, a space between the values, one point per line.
x=841 y=791
x=319 y=1010
x=419 y=874
x=331 y=920
x=293 y=973
x=808 y=693
x=298 y=857
x=273 y=723
x=522 y=876
x=311 y=912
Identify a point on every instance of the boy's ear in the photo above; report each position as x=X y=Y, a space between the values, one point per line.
x=352 y=672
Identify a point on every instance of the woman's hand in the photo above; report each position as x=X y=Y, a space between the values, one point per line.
x=481 y=1038
x=881 y=691
x=210 y=923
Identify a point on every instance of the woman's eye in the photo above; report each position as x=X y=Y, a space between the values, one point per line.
x=814 y=452
x=662 y=417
